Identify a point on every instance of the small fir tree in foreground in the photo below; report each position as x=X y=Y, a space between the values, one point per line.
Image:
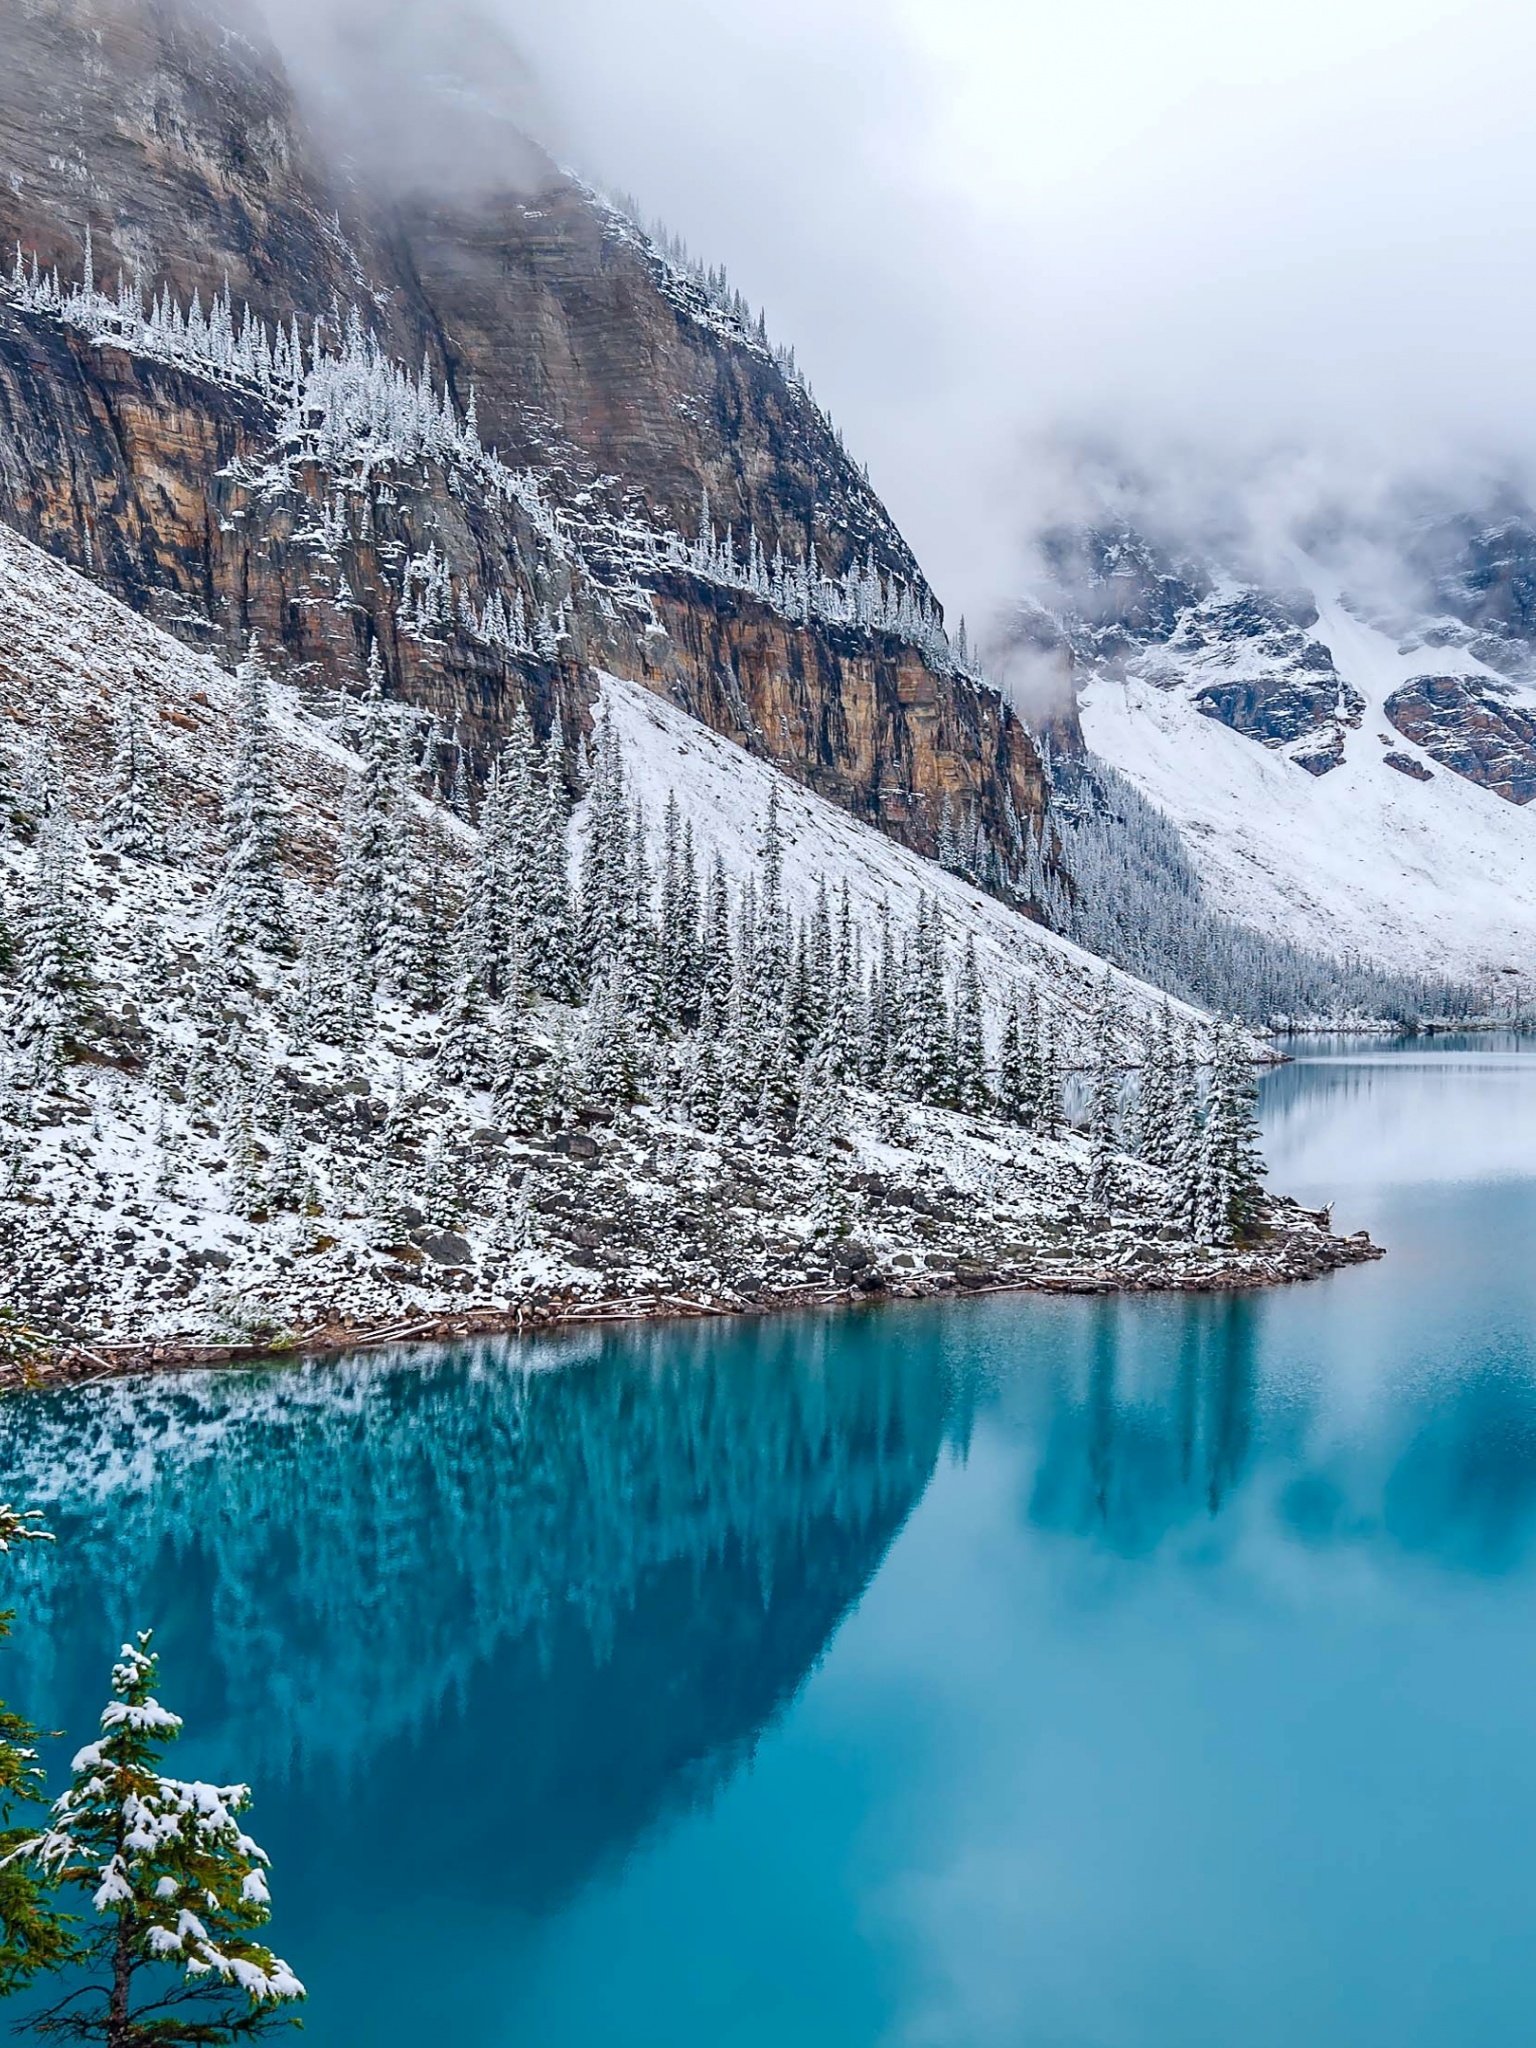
x=34 y=1937
x=178 y=1888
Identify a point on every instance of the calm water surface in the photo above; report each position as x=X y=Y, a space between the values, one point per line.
x=1057 y=1674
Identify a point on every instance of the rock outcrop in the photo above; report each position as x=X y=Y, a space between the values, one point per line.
x=1467 y=725
x=631 y=407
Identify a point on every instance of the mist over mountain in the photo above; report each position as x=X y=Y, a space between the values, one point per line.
x=1261 y=251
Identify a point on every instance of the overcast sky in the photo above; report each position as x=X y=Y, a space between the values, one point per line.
x=1198 y=229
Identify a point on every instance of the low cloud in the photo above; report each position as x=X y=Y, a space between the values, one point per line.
x=1272 y=267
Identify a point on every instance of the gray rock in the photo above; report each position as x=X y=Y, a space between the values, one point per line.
x=445 y=1247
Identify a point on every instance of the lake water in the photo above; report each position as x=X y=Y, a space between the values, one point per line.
x=1038 y=1673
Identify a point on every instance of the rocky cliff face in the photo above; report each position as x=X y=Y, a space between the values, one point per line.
x=665 y=498
x=1469 y=725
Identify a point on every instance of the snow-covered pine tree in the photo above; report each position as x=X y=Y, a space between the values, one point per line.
x=521 y=1083
x=487 y=933
x=1047 y=1065
x=468 y=1051
x=779 y=1097
x=54 y=945
x=1014 y=1100
x=968 y=1059
x=1157 y=1097
x=1184 y=1171
x=677 y=923
x=519 y=792
x=41 y=788
x=924 y=1039
x=550 y=936
x=460 y=800
x=368 y=844
x=716 y=964
x=605 y=895
x=400 y=924
x=607 y=1059
x=642 y=944
x=252 y=906
x=431 y=962
x=178 y=1889
x=1231 y=1164
x=130 y=819
x=34 y=1937
x=819 y=1118
x=771 y=937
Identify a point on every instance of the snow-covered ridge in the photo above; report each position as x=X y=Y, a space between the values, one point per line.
x=337 y=399
x=290 y=1051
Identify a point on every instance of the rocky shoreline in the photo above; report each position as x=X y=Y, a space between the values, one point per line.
x=1295 y=1244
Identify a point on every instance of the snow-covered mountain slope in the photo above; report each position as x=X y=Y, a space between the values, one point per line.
x=1354 y=786
x=725 y=792
x=211 y=1134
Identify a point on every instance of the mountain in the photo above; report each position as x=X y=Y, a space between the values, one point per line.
x=506 y=437
x=296 y=1052
x=1347 y=770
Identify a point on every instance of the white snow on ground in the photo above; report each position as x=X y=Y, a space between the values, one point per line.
x=121 y=1216
x=725 y=792
x=1435 y=876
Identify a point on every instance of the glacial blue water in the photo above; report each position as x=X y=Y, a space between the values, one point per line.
x=1014 y=1673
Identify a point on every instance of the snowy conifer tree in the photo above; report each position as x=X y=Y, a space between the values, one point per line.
x=1157 y=1099
x=607 y=1058
x=969 y=1058
x=1014 y=1101
x=130 y=820
x=178 y=1888
x=252 y=907
x=1231 y=1165
x=54 y=948
x=605 y=896
x=550 y=939
x=1188 y=1124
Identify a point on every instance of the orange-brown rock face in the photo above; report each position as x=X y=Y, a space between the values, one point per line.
x=593 y=364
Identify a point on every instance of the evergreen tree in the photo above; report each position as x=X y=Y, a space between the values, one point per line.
x=1157 y=1099
x=1184 y=1171
x=252 y=906
x=34 y=1937
x=431 y=962
x=130 y=820
x=819 y=1118
x=968 y=1063
x=459 y=798
x=550 y=938
x=1231 y=1165
x=607 y=1058
x=521 y=1082
x=924 y=1037
x=717 y=962
x=771 y=936
x=41 y=790
x=604 y=896
x=54 y=948
x=1048 y=1114
x=370 y=858
x=178 y=1888
x=467 y=1051
x=488 y=932
x=1015 y=1103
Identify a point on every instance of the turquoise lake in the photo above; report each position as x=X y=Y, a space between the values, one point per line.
x=1012 y=1673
